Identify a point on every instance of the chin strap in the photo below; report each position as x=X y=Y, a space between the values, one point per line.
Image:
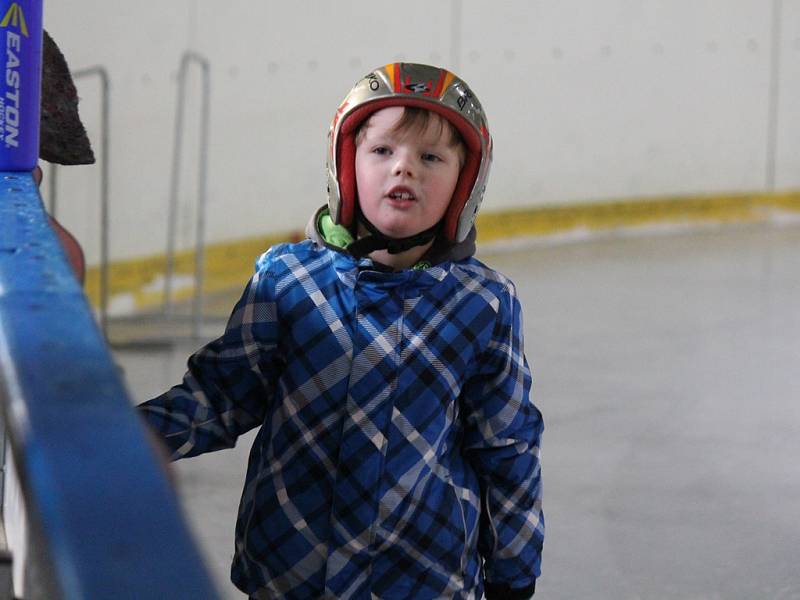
x=378 y=241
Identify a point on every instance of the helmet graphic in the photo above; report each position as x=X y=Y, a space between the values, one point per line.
x=423 y=86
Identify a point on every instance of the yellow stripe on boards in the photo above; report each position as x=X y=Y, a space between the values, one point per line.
x=230 y=264
x=603 y=216
x=227 y=265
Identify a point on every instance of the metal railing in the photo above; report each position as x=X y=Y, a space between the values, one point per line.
x=105 y=224
x=187 y=60
x=197 y=318
x=103 y=520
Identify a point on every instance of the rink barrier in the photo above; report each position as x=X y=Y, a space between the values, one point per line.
x=137 y=284
x=103 y=519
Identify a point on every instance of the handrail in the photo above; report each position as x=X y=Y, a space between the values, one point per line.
x=105 y=521
x=105 y=221
x=187 y=59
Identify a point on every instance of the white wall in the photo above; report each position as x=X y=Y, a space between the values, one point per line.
x=587 y=99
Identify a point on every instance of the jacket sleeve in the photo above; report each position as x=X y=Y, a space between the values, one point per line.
x=229 y=383
x=503 y=431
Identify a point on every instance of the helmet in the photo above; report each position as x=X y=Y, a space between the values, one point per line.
x=423 y=86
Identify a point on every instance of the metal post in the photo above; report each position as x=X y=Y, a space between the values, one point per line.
x=197 y=305
x=202 y=202
x=105 y=222
x=774 y=93
x=172 y=206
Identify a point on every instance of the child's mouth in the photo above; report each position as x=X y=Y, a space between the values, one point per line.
x=401 y=195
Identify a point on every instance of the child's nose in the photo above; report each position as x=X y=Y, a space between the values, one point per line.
x=404 y=164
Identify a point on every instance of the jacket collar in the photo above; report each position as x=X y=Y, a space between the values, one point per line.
x=336 y=237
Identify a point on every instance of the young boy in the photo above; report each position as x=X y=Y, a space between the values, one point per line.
x=398 y=454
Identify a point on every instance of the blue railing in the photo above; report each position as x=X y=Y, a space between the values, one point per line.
x=104 y=521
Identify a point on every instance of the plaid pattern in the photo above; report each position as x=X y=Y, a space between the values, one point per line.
x=398 y=455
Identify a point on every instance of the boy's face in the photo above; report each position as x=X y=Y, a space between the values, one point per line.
x=405 y=181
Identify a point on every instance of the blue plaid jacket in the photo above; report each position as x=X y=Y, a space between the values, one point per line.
x=398 y=455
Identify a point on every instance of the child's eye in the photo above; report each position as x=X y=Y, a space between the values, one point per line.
x=381 y=151
x=430 y=157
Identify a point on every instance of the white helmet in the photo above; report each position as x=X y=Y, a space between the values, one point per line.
x=423 y=86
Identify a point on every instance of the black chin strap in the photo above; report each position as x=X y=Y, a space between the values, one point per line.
x=378 y=241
